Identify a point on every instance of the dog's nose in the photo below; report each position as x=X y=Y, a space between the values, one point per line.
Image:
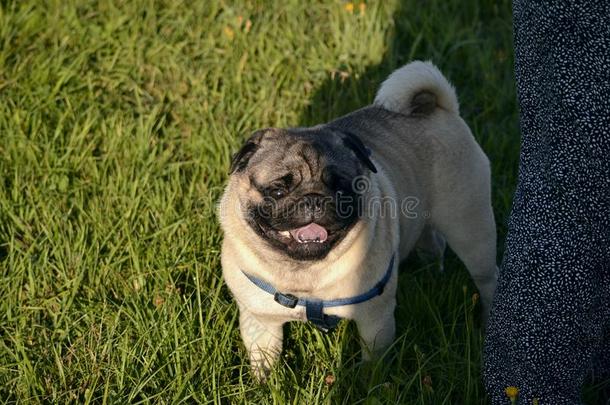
x=314 y=201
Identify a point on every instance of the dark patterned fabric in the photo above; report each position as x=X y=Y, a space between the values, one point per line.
x=550 y=321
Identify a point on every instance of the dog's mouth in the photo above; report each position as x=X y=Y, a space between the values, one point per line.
x=310 y=237
x=311 y=233
x=308 y=242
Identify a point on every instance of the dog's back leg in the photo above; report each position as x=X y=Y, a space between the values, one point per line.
x=470 y=230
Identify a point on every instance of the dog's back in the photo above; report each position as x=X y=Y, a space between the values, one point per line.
x=440 y=176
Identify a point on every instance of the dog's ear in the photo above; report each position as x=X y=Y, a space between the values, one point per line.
x=240 y=159
x=362 y=152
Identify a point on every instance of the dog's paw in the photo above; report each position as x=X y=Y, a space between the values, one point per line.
x=260 y=373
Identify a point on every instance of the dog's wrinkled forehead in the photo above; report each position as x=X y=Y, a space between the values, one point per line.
x=270 y=153
x=289 y=153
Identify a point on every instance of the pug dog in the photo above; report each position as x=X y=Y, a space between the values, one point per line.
x=316 y=220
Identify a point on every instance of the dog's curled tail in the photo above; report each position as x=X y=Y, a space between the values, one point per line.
x=417 y=88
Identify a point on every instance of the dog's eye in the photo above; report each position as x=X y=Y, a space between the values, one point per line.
x=276 y=193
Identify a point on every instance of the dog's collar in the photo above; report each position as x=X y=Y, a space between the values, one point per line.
x=314 y=309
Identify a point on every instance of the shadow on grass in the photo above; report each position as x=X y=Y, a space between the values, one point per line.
x=474 y=44
x=474 y=50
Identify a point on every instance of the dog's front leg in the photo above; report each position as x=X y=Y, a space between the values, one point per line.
x=263 y=341
x=377 y=329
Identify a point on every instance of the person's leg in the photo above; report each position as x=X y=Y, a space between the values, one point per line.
x=551 y=305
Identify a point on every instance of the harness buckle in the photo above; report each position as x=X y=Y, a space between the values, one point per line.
x=287 y=300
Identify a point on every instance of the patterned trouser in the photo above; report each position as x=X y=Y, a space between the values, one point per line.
x=550 y=321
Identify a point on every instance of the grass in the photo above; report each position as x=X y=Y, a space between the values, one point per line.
x=117 y=122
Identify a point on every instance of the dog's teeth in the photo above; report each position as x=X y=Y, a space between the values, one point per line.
x=302 y=240
x=285 y=234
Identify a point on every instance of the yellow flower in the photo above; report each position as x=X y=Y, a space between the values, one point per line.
x=229 y=33
x=511 y=392
x=349 y=7
x=362 y=8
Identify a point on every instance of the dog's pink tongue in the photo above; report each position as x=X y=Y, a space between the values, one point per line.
x=311 y=232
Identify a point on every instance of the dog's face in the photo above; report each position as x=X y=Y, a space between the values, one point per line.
x=297 y=186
